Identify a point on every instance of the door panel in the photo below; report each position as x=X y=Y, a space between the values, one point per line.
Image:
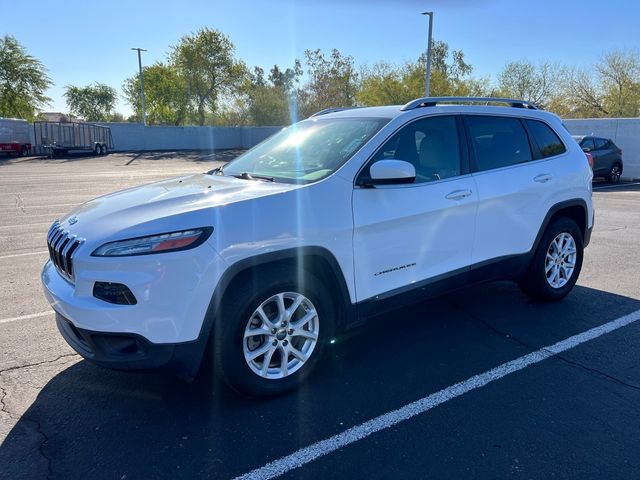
x=512 y=203
x=405 y=234
x=513 y=189
x=408 y=233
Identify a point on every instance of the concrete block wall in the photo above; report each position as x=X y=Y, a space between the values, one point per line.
x=133 y=136
x=625 y=132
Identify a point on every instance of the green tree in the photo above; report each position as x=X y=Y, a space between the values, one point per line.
x=579 y=96
x=333 y=82
x=619 y=77
x=94 y=103
x=450 y=75
x=383 y=84
x=165 y=92
x=539 y=83
x=206 y=62
x=117 y=117
x=23 y=81
x=270 y=99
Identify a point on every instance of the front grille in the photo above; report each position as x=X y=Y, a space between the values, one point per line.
x=62 y=245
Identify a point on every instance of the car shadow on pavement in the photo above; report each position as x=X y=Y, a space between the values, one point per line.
x=89 y=422
x=196 y=156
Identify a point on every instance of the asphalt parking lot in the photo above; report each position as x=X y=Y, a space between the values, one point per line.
x=568 y=414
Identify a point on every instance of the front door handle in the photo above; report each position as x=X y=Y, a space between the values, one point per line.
x=542 y=178
x=458 y=194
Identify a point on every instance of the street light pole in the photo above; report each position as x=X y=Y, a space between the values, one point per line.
x=428 y=72
x=144 y=111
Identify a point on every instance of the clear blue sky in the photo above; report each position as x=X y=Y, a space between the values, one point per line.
x=81 y=42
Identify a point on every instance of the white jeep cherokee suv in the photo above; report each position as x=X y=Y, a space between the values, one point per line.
x=334 y=219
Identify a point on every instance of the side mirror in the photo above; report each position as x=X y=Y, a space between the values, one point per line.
x=392 y=172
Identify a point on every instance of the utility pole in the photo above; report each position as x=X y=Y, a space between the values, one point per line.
x=144 y=111
x=428 y=72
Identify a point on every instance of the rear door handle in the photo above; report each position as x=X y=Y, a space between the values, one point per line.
x=542 y=178
x=458 y=194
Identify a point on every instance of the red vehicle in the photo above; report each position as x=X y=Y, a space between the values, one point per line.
x=15 y=136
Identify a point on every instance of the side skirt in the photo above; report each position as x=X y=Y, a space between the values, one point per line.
x=505 y=268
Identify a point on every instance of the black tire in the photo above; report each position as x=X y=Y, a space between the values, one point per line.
x=97 y=149
x=615 y=172
x=535 y=282
x=25 y=152
x=104 y=150
x=237 y=312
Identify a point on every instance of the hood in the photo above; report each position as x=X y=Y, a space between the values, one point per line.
x=135 y=208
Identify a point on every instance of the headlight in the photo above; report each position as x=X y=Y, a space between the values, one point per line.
x=161 y=243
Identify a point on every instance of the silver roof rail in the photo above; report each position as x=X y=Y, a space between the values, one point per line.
x=331 y=110
x=433 y=101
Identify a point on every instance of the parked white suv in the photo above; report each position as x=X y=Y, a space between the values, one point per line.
x=346 y=214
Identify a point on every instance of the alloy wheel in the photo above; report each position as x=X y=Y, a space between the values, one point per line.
x=561 y=260
x=281 y=335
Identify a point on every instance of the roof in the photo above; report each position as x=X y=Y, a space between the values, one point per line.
x=435 y=105
x=393 y=111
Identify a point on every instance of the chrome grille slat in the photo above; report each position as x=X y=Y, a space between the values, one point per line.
x=62 y=245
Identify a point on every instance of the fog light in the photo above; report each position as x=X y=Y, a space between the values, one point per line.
x=114 y=293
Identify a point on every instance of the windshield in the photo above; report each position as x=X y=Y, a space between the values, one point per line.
x=307 y=151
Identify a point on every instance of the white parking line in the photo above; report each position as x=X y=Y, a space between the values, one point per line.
x=15 y=207
x=13 y=227
x=13 y=255
x=26 y=317
x=312 y=452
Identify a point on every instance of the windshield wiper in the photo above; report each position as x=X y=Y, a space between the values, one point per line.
x=250 y=176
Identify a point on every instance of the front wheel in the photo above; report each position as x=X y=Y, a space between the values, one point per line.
x=556 y=263
x=269 y=338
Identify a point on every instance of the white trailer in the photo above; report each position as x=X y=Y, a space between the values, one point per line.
x=15 y=136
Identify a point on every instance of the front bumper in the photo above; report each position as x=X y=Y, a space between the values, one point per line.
x=167 y=327
x=125 y=351
x=172 y=290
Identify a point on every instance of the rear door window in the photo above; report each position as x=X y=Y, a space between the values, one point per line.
x=547 y=140
x=497 y=141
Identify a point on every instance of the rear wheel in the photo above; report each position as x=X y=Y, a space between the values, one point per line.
x=614 y=173
x=103 y=151
x=269 y=339
x=97 y=149
x=556 y=263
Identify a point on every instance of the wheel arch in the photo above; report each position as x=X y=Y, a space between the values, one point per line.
x=317 y=260
x=576 y=210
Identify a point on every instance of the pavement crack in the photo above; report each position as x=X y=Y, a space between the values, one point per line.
x=19 y=202
x=3 y=406
x=44 y=362
x=36 y=425
x=599 y=373
x=43 y=443
x=591 y=370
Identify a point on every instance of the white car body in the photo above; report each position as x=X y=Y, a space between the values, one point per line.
x=380 y=240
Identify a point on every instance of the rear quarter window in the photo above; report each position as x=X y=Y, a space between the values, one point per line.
x=546 y=139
